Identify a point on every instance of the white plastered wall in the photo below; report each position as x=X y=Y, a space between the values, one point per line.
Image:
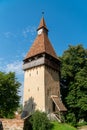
x=34 y=86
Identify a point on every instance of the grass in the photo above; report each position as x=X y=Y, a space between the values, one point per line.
x=62 y=126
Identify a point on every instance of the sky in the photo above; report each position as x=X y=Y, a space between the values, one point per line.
x=66 y=21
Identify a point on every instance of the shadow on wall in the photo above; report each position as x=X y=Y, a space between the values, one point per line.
x=27 y=124
x=1 y=126
x=29 y=108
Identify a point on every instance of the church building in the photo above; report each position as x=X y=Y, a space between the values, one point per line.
x=42 y=75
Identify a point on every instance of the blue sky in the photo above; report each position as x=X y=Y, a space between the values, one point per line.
x=19 y=19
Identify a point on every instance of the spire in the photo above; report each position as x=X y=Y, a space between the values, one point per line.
x=42 y=43
x=42 y=24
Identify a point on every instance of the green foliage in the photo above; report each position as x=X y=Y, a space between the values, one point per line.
x=20 y=108
x=62 y=126
x=9 y=98
x=27 y=124
x=71 y=119
x=74 y=81
x=83 y=123
x=40 y=121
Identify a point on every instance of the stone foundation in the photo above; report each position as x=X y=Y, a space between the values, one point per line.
x=12 y=124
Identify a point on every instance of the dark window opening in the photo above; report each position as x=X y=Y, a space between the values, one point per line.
x=53 y=106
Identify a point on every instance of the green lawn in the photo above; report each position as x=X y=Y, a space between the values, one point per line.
x=62 y=126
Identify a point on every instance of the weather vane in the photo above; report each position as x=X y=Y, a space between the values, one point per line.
x=42 y=13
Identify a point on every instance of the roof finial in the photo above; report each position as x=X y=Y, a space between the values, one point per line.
x=42 y=13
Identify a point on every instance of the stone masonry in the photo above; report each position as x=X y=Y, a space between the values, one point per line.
x=12 y=124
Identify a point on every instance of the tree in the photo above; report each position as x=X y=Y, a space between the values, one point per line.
x=74 y=82
x=9 y=98
x=39 y=121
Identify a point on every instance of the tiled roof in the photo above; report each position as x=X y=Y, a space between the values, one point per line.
x=42 y=24
x=58 y=103
x=41 y=44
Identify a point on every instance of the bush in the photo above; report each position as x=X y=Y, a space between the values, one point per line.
x=81 y=123
x=70 y=118
x=40 y=121
x=27 y=124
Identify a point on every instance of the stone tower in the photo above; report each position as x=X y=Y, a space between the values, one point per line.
x=42 y=75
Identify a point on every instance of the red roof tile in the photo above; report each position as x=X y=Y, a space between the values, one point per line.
x=41 y=44
x=42 y=24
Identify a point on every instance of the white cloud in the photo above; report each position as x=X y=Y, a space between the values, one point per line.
x=12 y=67
x=15 y=67
x=9 y=34
x=29 y=31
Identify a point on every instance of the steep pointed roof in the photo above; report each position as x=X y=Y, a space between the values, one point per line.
x=42 y=24
x=41 y=44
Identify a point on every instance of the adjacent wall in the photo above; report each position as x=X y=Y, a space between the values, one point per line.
x=12 y=124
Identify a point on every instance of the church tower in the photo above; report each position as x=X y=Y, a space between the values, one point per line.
x=42 y=75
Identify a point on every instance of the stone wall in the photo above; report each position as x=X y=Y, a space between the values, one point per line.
x=12 y=124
